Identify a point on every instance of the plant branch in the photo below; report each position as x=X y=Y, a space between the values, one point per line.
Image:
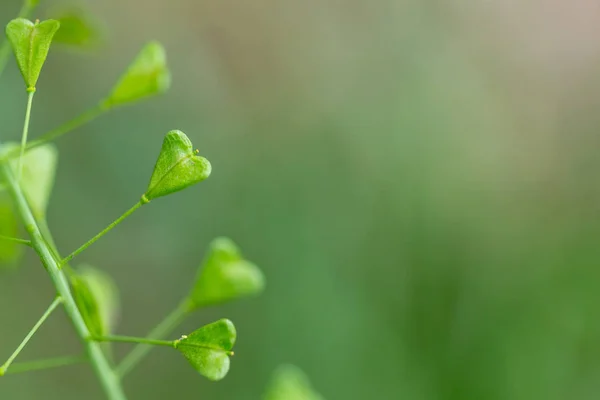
x=102 y=233
x=161 y=330
x=16 y=240
x=69 y=126
x=47 y=363
x=25 y=132
x=63 y=129
x=131 y=339
x=46 y=252
x=32 y=332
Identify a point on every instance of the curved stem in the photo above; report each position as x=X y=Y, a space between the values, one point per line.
x=161 y=330
x=32 y=332
x=102 y=233
x=16 y=240
x=47 y=363
x=25 y=133
x=131 y=339
x=98 y=360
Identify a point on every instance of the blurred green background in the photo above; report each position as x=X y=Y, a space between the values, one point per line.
x=417 y=179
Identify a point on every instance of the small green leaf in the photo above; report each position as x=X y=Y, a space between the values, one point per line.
x=77 y=29
x=208 y=348
x=10 y=251
x=31 y=42
x=37 y=176
x=225 y=276
x=290 y=383
x=178 y=166
x=146 y=76
x=97 y=297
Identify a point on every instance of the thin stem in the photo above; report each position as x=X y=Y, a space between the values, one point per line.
x=25 y=132
x=131 y=339
x=46 y=252
x=65 y=128
x=32 y=332
x=48 y=363
x=102 y=233
x=164 y=328
x=71 y=125
x=16 y=240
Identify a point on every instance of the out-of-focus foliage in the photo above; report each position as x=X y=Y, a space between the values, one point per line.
x=225 y=275
x=37 y=176
x=148 y=75
x=9 y=250
x=97 y=297
x=78 y=29
x=290 y=383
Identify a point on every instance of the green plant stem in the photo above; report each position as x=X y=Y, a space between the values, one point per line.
x=106 y=375
x=25 y=133
x=131 y=339
x=65 y=128
x=164 y=328
x=48 y=363
x=32 y=332
x=102 y=233
x=71 y=125
x=16 y=240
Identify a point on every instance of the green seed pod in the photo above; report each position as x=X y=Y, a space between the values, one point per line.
x=146 y=76
x=225 y=275
x=178 y=166
x=208 y=348
x=31 y=43
x=290 y=383
x=97 y=298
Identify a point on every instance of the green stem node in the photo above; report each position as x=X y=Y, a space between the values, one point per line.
x=47 y=253
x=16 y=240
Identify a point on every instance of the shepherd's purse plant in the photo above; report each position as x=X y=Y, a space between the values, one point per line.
x=87 y=294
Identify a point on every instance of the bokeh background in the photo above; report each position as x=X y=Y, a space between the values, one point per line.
x=417 y=179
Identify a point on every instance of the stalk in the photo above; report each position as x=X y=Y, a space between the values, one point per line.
x=109 y=380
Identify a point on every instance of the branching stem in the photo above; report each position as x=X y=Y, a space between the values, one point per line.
x=102 y=233
x=131 y=339
x=160 y=331
x=65 y=128
x=32 y=332
x=47 y=363
x=48 y=255
x=16 y=240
